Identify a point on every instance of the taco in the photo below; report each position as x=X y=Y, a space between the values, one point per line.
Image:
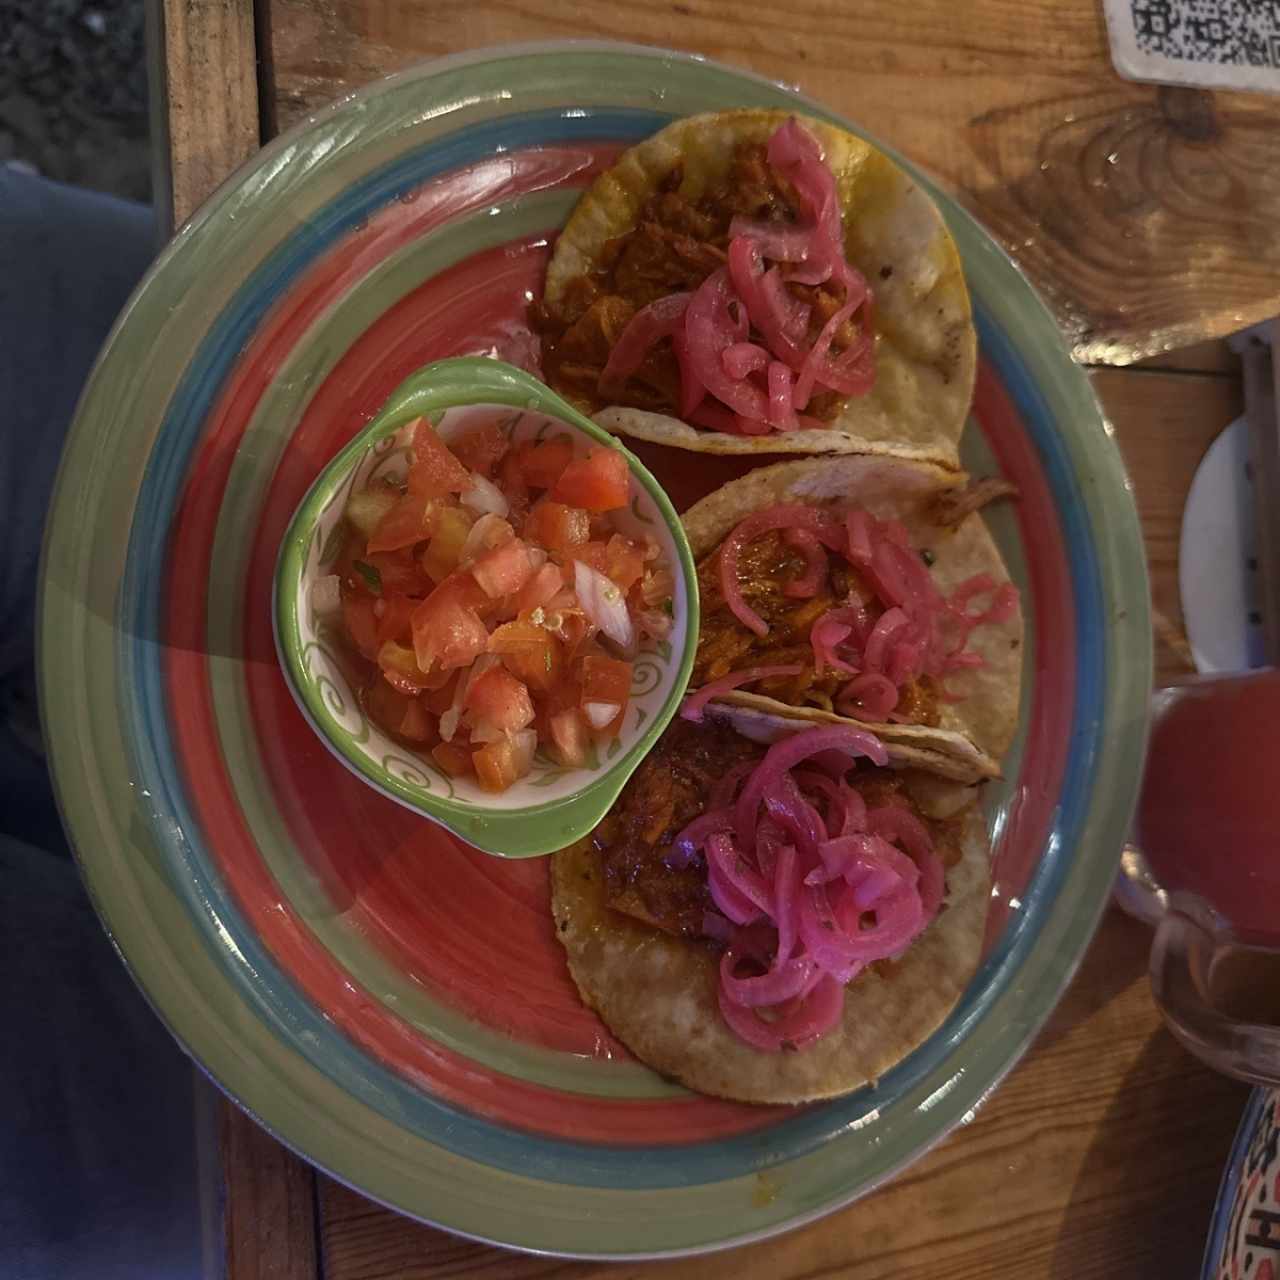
x=750 y=281
x=861 y=588
x=775 y=924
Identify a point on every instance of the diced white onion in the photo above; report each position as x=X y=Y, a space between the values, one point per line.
x=485 y=534
x=484 y=497
x=600 y=715
x=449 y=721
x=603 y=603
x=326 y=595
x=525 y=743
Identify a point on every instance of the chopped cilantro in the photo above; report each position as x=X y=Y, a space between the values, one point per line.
x=372 y=578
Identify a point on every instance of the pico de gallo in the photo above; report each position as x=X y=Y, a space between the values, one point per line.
x=492 y=605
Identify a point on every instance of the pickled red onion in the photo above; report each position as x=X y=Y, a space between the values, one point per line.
x=743 y=358
x=724 y=860
x=888 y=625
x=786 y=754
x=781 y=319
x=710 y=328
x=785 y=980
x=799 y=1026
x=649 y=325
x=823 y=527
x=782 y=409
x=690 y=841
x=692 y=390
x=807 y=585
x=815 y=899
x=869 y=696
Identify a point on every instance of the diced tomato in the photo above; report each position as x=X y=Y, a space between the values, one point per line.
x=463 y=588
x=598 y=482
x=479 y=448
x=366 y=507
x=568 y=731
x=556 y=527
x=497 y=698
x=400 y=667
x=605 y=679
x=454 y=760
x=417 y=725
x=361 y=622
x=402 y=526
x=541 y=589
x=530 y=652
x=596 y=554
x=605 y=682
x=571 y=625
x=504 y=570
x=450 y=527
x=435 y=471
x=624 y=562
x=544 y=463
x=657 y=587
x=393 y=613
x=393 y=572
x=446 y=630
x=386 y=705
x=439 y=699
x=489 y=531
x=511 y=478
x=499 y=764
x=404 y=716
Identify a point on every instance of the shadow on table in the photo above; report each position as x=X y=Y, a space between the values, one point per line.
x=1168 y=1102
x=1116 y=959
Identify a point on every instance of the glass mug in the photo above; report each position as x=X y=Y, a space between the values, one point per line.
x=1205 y=868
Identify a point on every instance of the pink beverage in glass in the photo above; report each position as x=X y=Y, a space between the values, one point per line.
x=1209 y=815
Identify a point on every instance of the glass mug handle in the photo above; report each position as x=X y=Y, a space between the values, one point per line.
x=1218 y=993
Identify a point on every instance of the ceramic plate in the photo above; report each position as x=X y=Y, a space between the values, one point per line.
x=1244 y=1236
x=389 y=1003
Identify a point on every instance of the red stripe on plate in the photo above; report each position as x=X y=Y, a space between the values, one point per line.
x=498 y=283
x=1052 y=691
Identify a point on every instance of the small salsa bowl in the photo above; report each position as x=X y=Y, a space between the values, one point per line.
x=553 y=805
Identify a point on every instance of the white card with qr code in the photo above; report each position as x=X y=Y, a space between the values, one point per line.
x=1213 y=44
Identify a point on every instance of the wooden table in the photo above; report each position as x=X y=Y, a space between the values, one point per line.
x=1145 y=216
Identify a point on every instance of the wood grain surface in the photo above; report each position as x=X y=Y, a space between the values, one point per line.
x=269 y=1204
x=1145 y=214
x=204 y=97
x=1164 y=422
x=1098 y=1158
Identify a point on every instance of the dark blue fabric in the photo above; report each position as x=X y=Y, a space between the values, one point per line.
x=98 y=1168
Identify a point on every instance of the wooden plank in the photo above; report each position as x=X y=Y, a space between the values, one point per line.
x=269 y=1213
x=1099 y=1157
x=204 y=97
x=1164 y=424
x=1143 y=213
x=1201 y=357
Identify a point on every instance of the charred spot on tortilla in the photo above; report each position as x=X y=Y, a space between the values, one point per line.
x=655 y=981
x=661 y=224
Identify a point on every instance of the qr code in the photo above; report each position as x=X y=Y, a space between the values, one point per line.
x=1243 y=33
